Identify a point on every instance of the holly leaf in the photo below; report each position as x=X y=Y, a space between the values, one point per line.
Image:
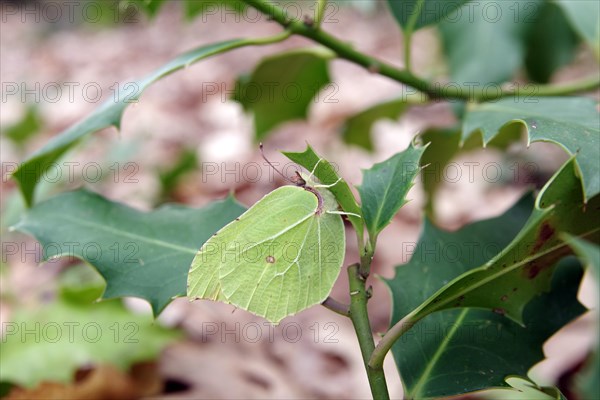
x=485 y=43
x=385 y=186
x=462 y=350
x=585 y=19
x=282 y=87
x=443 y=145
x=357 y=129
x=29 y=126
x=108 y=114
x=523 y=270
x=551 y=43
x=139 y=254
x=327 y=174
x=588 y=253
x=72 y=332
x=415 y=14
x=572 y=123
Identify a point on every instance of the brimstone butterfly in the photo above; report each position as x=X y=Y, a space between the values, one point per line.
x=280 y=257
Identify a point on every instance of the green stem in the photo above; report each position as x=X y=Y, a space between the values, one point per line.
x=320 y=12
x=581 y=85
x=386 y=343
x=408 y=31
x=431 y=89
x=336 y=306
x=407 y=40
x=362 y=326
x=366 y=257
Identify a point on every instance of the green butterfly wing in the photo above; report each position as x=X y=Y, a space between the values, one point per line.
x=276 y=259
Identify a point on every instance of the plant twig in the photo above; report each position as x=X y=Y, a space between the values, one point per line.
x=362 y=326
x=336 y=306
x=431 y=89
x=386 y=343
x=366 y=257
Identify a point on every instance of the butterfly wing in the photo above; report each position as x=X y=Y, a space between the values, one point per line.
x=277 y=259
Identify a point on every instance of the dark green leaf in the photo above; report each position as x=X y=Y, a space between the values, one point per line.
x=415 y=14
x=384 y=188
x=357 y=129
x=527 y=263
x=486 y=42
x=169 y=178
x=26 y=128
x=5 y=388
x=139 y=254
x=443 y=146
x=585 y=18
x=551 y=43
x=108 y=114
x=572 y=123
x=588 y=253
x=282 y=87
x=51 y=342
x=463 y=350
x=327 y=174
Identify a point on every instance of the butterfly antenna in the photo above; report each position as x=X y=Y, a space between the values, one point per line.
x=262 y=152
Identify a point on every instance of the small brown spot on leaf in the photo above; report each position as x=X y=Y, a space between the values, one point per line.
x=499 y=311
x=533 y=269
x=504 y=298
x=515 y=289
x=545 y=233
x=270 y=259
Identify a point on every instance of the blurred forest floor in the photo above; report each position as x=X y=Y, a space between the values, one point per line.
x=176 y=119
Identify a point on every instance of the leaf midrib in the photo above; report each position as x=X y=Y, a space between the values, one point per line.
x=441 y=349
x=126 y=234
x=376 y=220
x=500 y=273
